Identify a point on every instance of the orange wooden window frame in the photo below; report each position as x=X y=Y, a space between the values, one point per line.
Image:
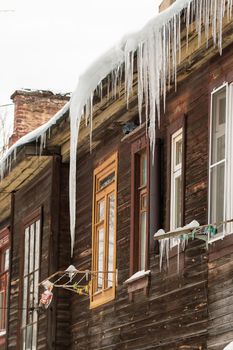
x=106 y=294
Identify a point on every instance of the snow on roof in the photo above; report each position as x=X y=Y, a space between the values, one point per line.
x=158 y=49
x=38 y=134
x=47 y=92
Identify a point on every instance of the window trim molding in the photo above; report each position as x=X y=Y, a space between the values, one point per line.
x=175 y=172
x=215 y=90
x=172 y=129
x=138 y=144
x=105 y=167
x=29 y=219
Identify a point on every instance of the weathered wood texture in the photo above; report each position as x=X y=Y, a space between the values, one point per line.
x=175 y=314
x=63 y=256
x=27 y=200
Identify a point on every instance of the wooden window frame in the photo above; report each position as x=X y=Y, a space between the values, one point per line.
x=27 y=222
x=176 y=171
x=4 y=278
x=109 y=166
x=213 y=165
x=180 y=123
x=138 y=146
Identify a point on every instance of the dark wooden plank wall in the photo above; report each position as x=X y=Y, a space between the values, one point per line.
x=27 y=200
x=63 y=254
x=175 y=313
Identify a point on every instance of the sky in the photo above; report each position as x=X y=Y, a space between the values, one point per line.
x=47 y=44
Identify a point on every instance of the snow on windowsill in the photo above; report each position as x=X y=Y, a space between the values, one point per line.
x=2 y=333
x=138 y=275
x=229 y=346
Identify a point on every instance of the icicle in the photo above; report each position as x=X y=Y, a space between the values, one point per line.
x=91 y=120
x=140 y=80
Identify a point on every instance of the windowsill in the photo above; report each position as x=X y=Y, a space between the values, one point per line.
x=2 y=333
x=102 y=297
x=137 y=275
x=138 y=281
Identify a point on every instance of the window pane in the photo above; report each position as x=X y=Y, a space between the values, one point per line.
x=35 y=298
x=34 y=336
x=29 y=337
x=24 y=305
x=143 y=240
x=2 y=311
x=100 y=256
x=100 y=210
x=6 y=259
x=217 y=194
x=107 y=180
x=24 y=338
x=177 y=202
x=31 y=260
x=218 y=126
x=143 y=204
x=26 y=245
x=178 y=152
x=111 y=238
x=31 y=298
x=37 y=247
x=143 y=171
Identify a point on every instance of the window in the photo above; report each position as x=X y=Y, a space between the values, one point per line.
x=139 y=206
x=217 y=158
x=30 y=282
x=4 y=267
x=104 y=232
x=221 y=161
x=176 y=182
x=143 y=198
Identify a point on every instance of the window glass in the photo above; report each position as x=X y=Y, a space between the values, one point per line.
x=176 y=181
x=106 y=181
x=111 y=238
x=178 y=152
x=218 y=126
x=218 y=159
x=178 y=201
x=142 y=215
x=143 y=170
x=100 y=266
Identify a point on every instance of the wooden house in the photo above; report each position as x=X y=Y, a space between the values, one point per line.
x=137 y=298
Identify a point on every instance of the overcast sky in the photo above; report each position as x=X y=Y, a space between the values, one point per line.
x=46 y=44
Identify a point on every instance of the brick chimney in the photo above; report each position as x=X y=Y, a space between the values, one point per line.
x=165 y=4
x=34 y=108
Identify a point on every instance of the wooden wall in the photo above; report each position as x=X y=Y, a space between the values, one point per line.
x=49 y=191
x=182 y=311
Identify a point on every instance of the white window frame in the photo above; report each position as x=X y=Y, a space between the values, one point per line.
x=32 y=268
x=225 y=161
x=176 y=171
